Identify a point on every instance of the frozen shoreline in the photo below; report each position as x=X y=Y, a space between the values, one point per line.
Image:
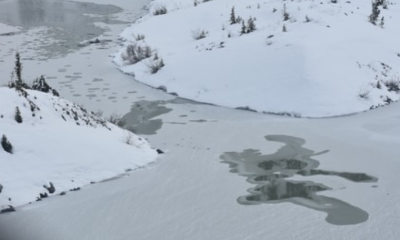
x=315 y=69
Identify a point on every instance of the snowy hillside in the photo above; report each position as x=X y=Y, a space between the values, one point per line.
x=306 y=58
x=57 y=143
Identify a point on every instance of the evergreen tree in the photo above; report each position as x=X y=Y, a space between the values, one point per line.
x=6 y=144
x=18 y=116
x=251 y=26
x=244 y=29
x=40 y=84
x=285 y=13
x=378 y=85
x=233 y=16
x=18 y=70
x=382 y=22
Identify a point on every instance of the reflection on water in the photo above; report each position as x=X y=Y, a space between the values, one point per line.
x=270 y=173
x=69 y=21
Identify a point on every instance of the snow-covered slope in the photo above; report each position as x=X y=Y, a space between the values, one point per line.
x=59 y=142
x=330 y=61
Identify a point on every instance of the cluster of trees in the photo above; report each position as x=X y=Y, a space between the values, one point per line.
x=18 y=83
x=373 y=18
x=247 y=27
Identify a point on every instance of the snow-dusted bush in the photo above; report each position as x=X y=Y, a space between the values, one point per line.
x=160 y=10
x=364 y=94
x=6 y=144
x=135 y=53
x=373 y=18
x=199 y=34
x=393 y=85
x=128 y=139
x=17 y=115
x=116 y=120
x=139 y=37
x=155 y=65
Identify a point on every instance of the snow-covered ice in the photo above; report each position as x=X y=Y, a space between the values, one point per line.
x=190 y=193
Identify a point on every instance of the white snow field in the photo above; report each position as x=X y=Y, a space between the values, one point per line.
x=61 y=143
x=327 y=65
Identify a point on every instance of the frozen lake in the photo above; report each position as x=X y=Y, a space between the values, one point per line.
x=321 y=178
x=67 y=23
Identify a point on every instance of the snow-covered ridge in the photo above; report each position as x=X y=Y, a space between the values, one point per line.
x=307 y=58
x=56 y=142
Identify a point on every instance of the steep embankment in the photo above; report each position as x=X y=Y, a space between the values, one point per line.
x=59 y=146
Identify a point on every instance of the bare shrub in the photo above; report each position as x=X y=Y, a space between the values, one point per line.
x=160 y=10
x=364 y=94
x=135 y=53
x=155 y=65
x=199 y=34
x=393 y=85
x=128 y=139
x=139 y=37
x=116 y=120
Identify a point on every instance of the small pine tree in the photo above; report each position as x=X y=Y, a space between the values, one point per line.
x=244 y=29
x=382 y=23
x=385 y=4
x=6 y=144
x=233 y=16
x=18 y=69
x=18 y=116
x=378 y=85
x=40 y=84
x=285 y=13
x=284 y=28
x=251 y=26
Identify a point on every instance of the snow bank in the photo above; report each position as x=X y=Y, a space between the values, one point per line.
x=6 y=29
x=61 y=143
x=330 y=61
